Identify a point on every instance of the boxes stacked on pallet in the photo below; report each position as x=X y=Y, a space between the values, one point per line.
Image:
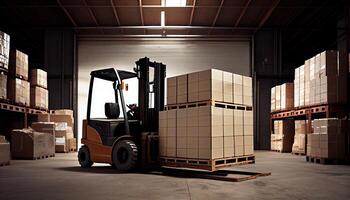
x=321 y=80
x=3 y=85
x=5 y=154
x=329 y=139
x=4 y=50
x=18 y=89
x=30 y=144
x=299 y=137
x=208 y=120
x=282 y=97
x=64 y=124
x=283 y=135
x=39 y=95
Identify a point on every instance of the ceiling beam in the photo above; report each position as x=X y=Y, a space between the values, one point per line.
x=91 y=13
x=242 y=13
x=192 y=12
x=67 y=13
x=268 y=14
x=115 y=12
x=216 y=16
x=141 y=13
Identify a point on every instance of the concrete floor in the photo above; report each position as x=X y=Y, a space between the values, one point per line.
x=62 y=178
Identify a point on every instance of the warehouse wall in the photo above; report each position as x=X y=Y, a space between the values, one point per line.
x=179 y=56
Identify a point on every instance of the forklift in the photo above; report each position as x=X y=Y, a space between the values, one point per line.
x=130 y=141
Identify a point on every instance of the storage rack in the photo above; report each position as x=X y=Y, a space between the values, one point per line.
x=310 y=113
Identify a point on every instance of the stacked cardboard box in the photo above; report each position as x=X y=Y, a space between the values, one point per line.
x=39 y=95
x=207 y=132
x=5 y=154
x=299 y=137
x=210 y=84
x=329 y=139
x=4 y=50
x=321 y=80
x=282 y=137
x=3 y=85
x=282 y=97
x=29 y=144
x=18 y=90
x=18 y=64
x=64 y=123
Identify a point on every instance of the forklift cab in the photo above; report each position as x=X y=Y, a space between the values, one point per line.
x=119 y=141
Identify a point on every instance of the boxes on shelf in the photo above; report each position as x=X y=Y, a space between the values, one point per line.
x=181 y=89
x=328 y=139
x=5 y=154
x=282 y=97
x=171 y=90
x=18 y=91
x=30 y=144
x=18 y=65
x=38 y=77
x=247 y=91
x=296 y=88
x=299 y=137
x=4 y=50
x=3 y=85
x=282 y=137
x=39 y=97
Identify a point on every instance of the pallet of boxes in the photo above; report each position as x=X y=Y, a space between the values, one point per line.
x=208 y=121
x=64 y=123
x=39 y=95
x=4 y=62
x=282 y=135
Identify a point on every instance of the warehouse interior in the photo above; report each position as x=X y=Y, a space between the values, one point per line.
x=265 y=41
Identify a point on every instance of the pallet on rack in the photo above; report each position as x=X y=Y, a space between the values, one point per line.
x=208 y=103
x=327 y=161
x=207 y=164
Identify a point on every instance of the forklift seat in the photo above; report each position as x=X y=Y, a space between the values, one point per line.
x=112 y=110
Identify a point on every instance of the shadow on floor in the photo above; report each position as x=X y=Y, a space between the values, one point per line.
x=94 y=169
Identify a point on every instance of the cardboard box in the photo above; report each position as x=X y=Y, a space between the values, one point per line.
x=210 y=85
x=229 y=146
x=278 y=97
x=228 y=87
x=62 y=112
x=4 y=49
x=72 y=144
x=3 y=85
x=211 y=147
x=296 y=87
x=193 y=90
x=329 y=63
x=287 y=96
x=273 y=99
x=38 y=77
x=18 y=64
x=5 y=154
x=62 y=118
x=29 y=144
x=237 y=89
x=39 y=97
x=171 y=90
x=283 y=135
x=43 y=117
x=19 y=91
x=181 y=89
x=247 y=91
x=44 y=127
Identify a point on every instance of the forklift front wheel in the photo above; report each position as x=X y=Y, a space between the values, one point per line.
x=125 y=155
x=84 y=157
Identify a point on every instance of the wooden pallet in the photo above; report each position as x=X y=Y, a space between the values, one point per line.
x=326 y=161
x=206 y=164
x=299 y=153
x=4 y=164
x=208 y=103
x=36 y=157
x=278 y=151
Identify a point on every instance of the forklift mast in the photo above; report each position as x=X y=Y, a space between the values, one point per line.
x=151 y=77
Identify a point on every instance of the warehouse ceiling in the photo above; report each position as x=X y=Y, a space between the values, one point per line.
x=143 y=17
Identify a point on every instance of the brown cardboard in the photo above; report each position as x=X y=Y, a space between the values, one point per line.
x=18 y=64
x=287 y=96
x=5 y=155
x=39 y=97
x=29 y=144
x=18 y=91
x=171 y=90
x=193 y=90
x=62 y=118
x=38 y=77
x=44 y=127
x=228 y=87
x=3 y=86
x=181 y=89
x=62 y=112
x=210 y=85
x=43 y=117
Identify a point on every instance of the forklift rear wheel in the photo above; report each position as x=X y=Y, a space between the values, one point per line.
x=84 y=157
x=125 y=155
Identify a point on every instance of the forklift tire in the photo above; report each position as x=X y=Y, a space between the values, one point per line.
x=125 y=155
x=84 y=157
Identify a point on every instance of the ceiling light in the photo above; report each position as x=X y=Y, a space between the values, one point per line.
x=175 y=3
x=162 y=18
